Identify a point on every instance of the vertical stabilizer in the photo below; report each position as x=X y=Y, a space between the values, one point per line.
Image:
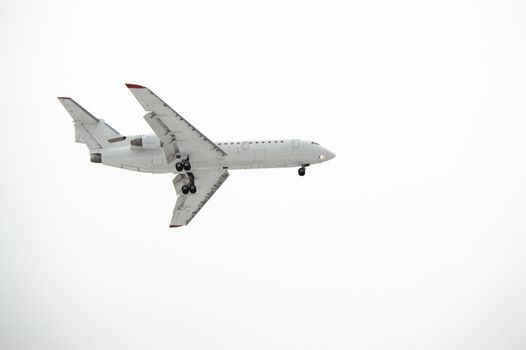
x=88 y=130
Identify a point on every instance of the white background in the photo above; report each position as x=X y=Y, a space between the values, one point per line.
x=413 y=237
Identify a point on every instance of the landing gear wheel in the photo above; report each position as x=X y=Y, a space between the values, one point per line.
x=186 y=165
x=185 y=189
x=179 y=166
x=192 y=188
x=301 y=171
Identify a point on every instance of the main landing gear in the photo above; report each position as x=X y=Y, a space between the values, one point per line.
x=189 y=188
x=184 y=165
x=191 y=185
x=301 y=171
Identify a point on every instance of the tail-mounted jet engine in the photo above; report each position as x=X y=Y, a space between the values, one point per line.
x=146 y=141
x=96 y=158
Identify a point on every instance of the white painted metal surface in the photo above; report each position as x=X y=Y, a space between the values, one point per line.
x=174 y=142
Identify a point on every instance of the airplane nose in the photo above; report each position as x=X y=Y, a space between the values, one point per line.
x=327 y=155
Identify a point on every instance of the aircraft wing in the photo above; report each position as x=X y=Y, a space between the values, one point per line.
x=188 y=205
x=176 y=134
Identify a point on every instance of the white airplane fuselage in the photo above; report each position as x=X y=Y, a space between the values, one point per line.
x=150 y=157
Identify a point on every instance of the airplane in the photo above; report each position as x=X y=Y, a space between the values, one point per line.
x=201 y=166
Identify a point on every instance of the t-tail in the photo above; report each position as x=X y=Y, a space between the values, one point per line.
x=89 y=130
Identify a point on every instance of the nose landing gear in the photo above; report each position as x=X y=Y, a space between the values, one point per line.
x=301 y=171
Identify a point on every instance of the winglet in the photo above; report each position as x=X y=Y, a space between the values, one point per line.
x=134 y=86
x=175 y=226
x=64 y=98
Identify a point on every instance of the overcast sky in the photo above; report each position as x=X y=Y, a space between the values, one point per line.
x=413 y=237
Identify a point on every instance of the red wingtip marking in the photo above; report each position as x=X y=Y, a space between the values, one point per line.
x=134 y=86
x=175 y=226
x=64 y=98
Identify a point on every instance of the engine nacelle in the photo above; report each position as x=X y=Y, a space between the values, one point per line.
x=96 y=158
x=146 y=141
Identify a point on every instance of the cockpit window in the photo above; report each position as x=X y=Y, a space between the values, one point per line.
x=314 y=143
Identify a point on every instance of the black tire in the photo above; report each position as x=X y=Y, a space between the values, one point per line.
x=301 y=171
x=179 y=166
x=192 y=188
x=185 y=189
x=186 y=165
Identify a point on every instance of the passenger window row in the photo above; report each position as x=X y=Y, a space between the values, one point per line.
x=251 y=142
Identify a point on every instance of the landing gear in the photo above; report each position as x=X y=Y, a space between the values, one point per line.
x=190 y=187
x=183 y=165
x=301 y=171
